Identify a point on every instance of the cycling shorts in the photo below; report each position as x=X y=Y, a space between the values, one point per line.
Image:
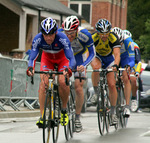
x=107 y=61
x=124 y=61
x=48 y=64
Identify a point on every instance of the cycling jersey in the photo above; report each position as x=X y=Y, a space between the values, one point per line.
x=104 y=50
x=80 y=45
x=138 y=63
x=127 y=53
x=60 y=48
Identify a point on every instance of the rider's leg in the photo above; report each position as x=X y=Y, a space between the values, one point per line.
x=112 y=91
x=112 y=96
x=134 y=87
x=79 y=95
x=42 y=92
x=96 y=64
x=79 y=103
x=127 y=87
x=64 y=91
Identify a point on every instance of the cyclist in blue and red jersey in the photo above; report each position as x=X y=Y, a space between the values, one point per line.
x=127 y=60
x=137 y=71
x=81 y=42
x=56 y=50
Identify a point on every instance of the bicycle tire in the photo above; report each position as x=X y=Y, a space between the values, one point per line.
x=46 y=120
x=72 y=114
x=107 y=106
x=101 y=113
x=67 y=127
x=55 y=129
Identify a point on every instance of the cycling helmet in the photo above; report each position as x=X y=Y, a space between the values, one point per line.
x=48 y=26
x=103 y=25
x=119 y=33
x=128 y=33
x=71 y=23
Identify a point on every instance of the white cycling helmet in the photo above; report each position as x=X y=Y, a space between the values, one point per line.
x=48 y=26
x=103 y=25
x=119 y=33
x=128 y=33
x=71 y=23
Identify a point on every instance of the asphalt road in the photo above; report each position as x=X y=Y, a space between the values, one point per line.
x=24 y=130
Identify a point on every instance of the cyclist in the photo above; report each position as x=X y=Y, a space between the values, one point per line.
x=127 y=61
x=56 y=50
x=81 y=41
x=107 y=47
x=137 y=70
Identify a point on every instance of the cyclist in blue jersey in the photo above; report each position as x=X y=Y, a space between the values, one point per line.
x=81 y=42
x=137 y=70
x=127 y=60
x=56 y=50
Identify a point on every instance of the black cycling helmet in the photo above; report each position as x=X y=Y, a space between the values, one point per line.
x=103 y=26
x=49 y=26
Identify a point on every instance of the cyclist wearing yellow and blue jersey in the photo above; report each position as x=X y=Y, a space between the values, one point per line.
x=107 y=48
x=81 y=42
x=127 y=61
x=137 y=70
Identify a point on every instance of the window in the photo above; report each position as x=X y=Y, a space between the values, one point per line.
x=82 y=7
x=80 y=0
x=74 y=7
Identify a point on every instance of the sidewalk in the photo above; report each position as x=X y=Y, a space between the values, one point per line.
x=23 y=113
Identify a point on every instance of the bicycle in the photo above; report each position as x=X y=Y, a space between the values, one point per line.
x=121 y=102
x=103 y=103
x=51 y=114
x=69 y=128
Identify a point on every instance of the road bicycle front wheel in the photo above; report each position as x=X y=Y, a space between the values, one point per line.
x=67 y=127
x=101 y=114
x=107 y=113
x=72 y=114
x=46 y=120
x=56 y=118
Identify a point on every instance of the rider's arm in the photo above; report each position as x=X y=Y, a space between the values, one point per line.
x=91 y=51
x=69 y=54
x=131 y=54
x=137 y=58
x=34 y=51
x=116 y=52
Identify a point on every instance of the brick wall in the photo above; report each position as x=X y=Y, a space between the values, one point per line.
x=115 y=13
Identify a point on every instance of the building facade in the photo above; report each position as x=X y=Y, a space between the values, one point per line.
x=92 y=10
x=20 y=22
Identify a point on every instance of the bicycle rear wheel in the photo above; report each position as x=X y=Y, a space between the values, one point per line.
x=101 y=114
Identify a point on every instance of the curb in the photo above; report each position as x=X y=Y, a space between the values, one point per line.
x=19 y=114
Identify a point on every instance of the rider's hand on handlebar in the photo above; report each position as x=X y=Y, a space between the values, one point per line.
x=30 y=71
x=115 y=67
x=80 y=68
x=128 y=68
x=68 y=72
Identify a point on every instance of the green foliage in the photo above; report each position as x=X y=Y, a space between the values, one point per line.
x=138 y=23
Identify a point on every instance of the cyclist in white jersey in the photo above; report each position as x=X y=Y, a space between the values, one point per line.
x=81 y=42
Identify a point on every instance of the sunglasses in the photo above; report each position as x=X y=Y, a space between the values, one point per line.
x=70 y=33
x=103 y=33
